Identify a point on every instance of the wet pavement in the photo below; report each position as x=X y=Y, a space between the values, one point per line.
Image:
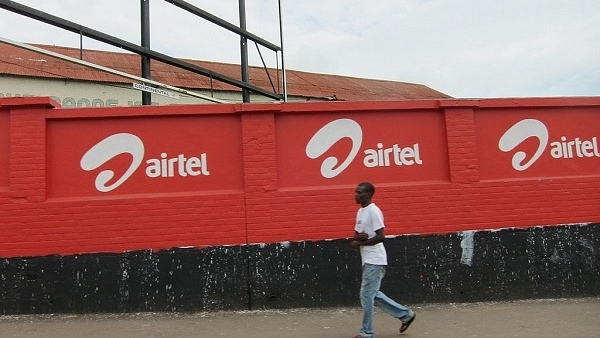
x=561 y=318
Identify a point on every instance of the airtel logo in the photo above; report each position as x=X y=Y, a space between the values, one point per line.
x=125 y=143
x=565 y=148
x=518 y=133
x=326 y=137
x=336 y=130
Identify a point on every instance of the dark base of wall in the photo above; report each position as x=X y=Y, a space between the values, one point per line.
x=541 y=262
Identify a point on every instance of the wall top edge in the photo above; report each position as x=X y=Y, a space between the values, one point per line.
x=28 y=102
x=297 y=107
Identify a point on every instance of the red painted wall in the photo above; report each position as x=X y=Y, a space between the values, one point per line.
x=119 y=179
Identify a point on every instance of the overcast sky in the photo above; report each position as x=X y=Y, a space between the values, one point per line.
x=464 y=48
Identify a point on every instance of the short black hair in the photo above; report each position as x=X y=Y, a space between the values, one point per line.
x=369 y=187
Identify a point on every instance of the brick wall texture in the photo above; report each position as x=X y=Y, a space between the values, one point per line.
x=34 y=222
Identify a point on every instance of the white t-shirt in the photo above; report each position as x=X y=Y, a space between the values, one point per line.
x=369 y=219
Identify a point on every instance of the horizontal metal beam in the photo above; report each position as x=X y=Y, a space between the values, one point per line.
x=114 y=41
x=224 y=24
x=108 y=70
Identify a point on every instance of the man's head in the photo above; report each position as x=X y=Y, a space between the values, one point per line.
x=363 y=193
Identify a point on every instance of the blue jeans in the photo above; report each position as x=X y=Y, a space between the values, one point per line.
x=370 y=296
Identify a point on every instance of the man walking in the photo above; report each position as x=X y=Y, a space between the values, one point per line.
x=369 y=235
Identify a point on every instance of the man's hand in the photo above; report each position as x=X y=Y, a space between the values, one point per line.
x=358 y=238
x=363 y=236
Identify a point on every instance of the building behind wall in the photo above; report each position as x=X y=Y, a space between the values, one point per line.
x=27 y=73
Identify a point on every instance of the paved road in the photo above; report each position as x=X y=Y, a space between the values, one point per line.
x=561 y=318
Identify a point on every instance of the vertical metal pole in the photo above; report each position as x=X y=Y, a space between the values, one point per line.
x=145 y=29
x=80 y=44
x=244 y=51
x=283 y=79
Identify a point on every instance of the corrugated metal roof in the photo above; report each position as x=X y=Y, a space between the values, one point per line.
x=22 y=62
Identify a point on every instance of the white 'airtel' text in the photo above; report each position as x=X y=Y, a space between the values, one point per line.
x=165 y=167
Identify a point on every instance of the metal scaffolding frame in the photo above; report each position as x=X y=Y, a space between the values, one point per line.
x=146 y=53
